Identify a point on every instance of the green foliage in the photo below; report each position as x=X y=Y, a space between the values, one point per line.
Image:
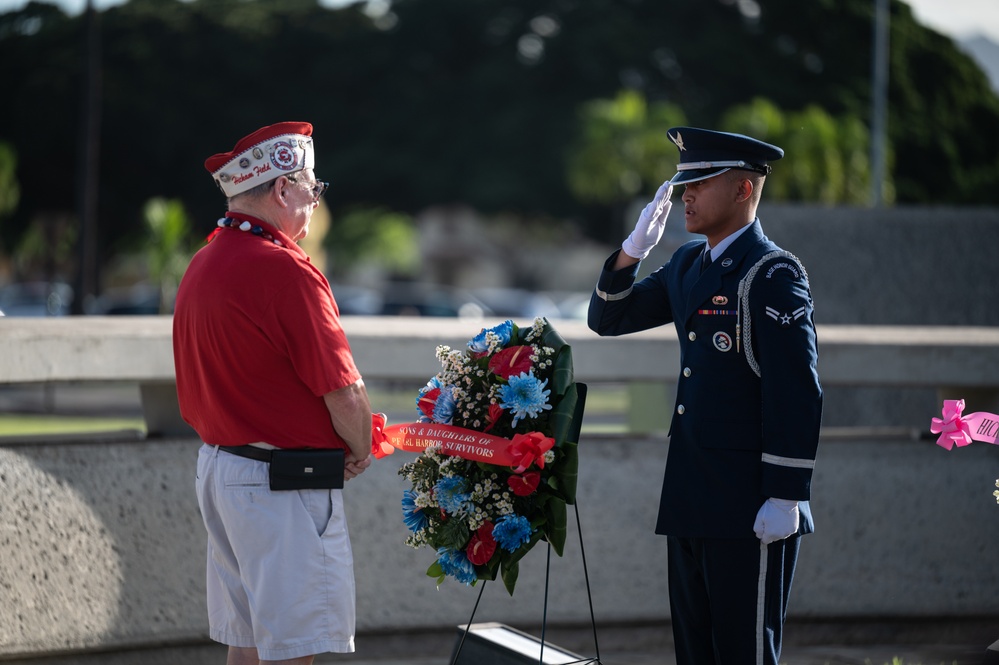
x=827 y=158
x=621 y=148
x=364 y=233
x=167 y=247
x=937 y=104
x=46 y=247
x=10 y=190
x=499 y=104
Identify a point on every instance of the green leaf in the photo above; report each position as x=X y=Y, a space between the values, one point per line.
x=435 y=570
x=452 y=534
x=555 y=528
x=566 y=471
x=562 y=371
x=488 y=571
x=562 y=417
x=510 y=573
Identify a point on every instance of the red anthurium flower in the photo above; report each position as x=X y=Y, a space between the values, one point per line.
x=427 y=402
x=493 y=416
x=512 y=361
x=525 y=484
x=530 y=448
x=481 y=546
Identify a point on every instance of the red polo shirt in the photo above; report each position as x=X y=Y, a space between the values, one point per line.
x=257 y=343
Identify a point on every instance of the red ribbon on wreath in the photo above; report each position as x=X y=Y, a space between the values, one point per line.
x=520 y=452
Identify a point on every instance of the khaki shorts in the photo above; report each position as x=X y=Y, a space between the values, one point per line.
x=280 y=569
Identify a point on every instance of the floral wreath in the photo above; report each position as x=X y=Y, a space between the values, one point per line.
x=497 y=433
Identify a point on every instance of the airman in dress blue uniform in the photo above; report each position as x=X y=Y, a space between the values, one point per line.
x=748 y=400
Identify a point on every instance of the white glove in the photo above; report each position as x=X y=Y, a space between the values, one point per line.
x=651 y=223
x=777 y=519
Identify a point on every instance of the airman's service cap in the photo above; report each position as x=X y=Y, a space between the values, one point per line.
x=705 y=153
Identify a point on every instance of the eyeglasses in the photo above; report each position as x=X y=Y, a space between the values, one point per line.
x=318 y=187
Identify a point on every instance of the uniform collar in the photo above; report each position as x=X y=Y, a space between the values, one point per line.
x=719 y=249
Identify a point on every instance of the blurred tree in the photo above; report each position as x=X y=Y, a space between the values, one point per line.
x=167 y=248
x=10 y=190
x=363 y=234
x=45 y=250
x=831 y=162
x=941 y=126
x=621 y=148
x=424 y=102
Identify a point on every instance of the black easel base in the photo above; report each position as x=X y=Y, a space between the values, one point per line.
x=499 y=644
x=494 y=645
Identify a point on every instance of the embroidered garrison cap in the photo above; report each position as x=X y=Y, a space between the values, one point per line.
x=705 y=153
x=264 y=155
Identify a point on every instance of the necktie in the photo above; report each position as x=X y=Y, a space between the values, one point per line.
x=705 y=260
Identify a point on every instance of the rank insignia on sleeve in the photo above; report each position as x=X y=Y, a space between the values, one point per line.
x=785 y=319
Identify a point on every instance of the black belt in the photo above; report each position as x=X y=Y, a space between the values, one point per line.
x=251 y=452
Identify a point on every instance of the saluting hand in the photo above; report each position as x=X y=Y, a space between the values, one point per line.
x=651 y=224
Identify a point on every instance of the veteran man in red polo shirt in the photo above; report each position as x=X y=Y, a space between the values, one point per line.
x=266 y=378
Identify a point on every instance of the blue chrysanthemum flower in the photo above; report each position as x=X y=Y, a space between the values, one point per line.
x=512 y=531
x=450 y=493
x=412 y=514
x=480 y=343
x=444 y=407
x=525 y=396
x=456 y=564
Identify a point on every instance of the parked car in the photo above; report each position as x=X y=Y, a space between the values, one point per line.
x=517 y=303
x=357 y=300
x=136 y=300
x=36 y=299
x=421 y=299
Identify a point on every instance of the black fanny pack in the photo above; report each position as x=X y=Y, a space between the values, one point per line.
x=297 y=469
x=306 y=469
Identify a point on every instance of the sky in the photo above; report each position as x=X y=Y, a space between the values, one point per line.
x=958 y=19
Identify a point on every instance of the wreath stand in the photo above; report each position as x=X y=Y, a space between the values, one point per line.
x=510 y=656
x=518 y=657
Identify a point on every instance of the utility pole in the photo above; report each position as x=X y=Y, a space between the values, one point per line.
x=88 y=162
x=879 y=99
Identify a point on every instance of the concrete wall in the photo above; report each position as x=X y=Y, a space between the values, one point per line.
x=891 y=266
x=102 y=544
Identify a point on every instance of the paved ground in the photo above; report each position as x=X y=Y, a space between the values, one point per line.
x=922 y=643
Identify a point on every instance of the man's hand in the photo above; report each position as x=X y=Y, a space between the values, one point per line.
x=353 y=467
x=651 y=224
x=777 y=519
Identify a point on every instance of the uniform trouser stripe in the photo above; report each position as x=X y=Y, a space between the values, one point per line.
x=728 y=598
x=761 y=603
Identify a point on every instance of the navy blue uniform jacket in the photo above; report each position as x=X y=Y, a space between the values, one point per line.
x=736 y=438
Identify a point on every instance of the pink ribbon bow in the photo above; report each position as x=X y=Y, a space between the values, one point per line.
x=955 y=429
